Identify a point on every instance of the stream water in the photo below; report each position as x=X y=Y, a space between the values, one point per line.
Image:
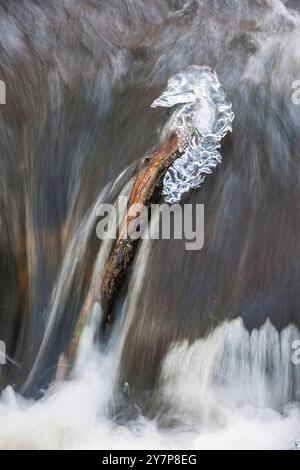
x=200 y=354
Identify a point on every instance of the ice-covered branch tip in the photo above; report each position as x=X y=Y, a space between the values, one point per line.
x=203 y=118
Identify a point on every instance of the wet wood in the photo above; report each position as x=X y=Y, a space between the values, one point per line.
x=146 y=190
x=66 y=359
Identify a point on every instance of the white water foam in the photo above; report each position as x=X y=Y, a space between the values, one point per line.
x=220 y=390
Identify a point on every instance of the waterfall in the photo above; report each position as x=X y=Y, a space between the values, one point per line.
x=203 y=348
x=219 y=392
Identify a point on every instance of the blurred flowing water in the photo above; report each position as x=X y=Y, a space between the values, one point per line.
x=200 y=353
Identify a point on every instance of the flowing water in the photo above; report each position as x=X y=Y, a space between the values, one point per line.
x=200 y=354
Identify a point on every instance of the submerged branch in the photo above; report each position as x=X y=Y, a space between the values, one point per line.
x=147 y=190
x=202 y=117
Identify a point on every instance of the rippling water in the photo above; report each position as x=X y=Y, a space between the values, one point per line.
x=214 y=394
x=200 y=354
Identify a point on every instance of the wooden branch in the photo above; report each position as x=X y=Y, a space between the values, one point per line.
x=146 y=190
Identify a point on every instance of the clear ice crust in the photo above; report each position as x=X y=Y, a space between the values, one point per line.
x=203 y=118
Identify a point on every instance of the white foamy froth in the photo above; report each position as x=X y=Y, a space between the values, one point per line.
x=232 y=369
x=230 y=390
x=203 y=118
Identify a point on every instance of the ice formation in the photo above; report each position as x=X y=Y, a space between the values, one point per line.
x=203 y=118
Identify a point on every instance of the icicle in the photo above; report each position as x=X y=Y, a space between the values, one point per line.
x=203 y=118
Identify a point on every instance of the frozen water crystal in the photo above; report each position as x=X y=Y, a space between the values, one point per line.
x=202 y=119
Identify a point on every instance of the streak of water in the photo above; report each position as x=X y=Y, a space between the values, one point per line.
x=210 y=403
